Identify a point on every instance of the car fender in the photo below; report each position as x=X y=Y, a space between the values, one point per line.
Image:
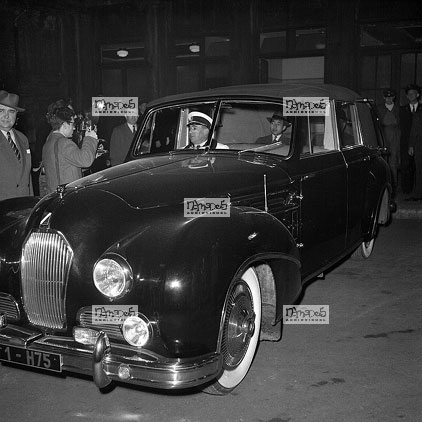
x=185 y=266
x=378 y=197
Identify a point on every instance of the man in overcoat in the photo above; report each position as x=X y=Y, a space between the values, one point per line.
x=15 y=155
x=407 y=163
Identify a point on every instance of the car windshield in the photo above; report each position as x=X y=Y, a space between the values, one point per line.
x=225 y=125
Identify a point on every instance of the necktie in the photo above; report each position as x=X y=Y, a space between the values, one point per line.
x=133 y=128
x=13 y=146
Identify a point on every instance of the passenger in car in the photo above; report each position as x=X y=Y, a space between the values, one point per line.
x=278 y=125
x=199 y=125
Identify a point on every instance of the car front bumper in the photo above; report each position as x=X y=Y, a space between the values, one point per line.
x=114 y=362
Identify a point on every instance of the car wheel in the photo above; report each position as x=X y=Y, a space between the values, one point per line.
x=240 y=335
x=365 y=249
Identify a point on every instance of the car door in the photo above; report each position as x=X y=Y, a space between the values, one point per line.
x=357 y=157
x=323 y=179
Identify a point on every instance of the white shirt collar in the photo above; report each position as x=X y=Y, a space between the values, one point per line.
x=11 y=134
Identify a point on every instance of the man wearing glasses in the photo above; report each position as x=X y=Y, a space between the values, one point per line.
x=15 y=155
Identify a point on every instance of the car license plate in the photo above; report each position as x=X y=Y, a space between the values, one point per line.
x=47 y=361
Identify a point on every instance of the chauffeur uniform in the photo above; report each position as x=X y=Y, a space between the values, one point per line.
x=15 y=173
x=389 y=115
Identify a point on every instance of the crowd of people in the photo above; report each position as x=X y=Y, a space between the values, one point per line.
x=65 y=148
x=62 y=153
x=402 y=129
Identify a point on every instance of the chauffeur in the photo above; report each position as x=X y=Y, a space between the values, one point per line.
x=390 y=120
x=199 y=125
x=15 y=155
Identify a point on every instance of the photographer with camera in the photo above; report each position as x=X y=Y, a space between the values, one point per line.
x=63 y=159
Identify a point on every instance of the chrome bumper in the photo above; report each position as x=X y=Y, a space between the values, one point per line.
x=114 y=362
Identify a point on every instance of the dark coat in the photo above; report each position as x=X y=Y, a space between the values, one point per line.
x=120 y=142
x=15 y=175
x=406 y=117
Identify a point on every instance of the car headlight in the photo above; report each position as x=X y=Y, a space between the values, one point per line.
x=136 y=330
x=113 y=276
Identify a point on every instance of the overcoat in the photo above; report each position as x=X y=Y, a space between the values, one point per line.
x=15 y=175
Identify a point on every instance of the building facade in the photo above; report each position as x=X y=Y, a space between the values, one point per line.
x=152 y=48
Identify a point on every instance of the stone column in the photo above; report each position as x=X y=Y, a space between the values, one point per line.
x=341 y=57
x=159 y=47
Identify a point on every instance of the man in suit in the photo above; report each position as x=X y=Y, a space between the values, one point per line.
x=278 y=124
x=415 y=151
x=15 y=155
x=121 y=139
x=407 y=164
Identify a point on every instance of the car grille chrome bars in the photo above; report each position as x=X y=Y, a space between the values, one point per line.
x=45 y=264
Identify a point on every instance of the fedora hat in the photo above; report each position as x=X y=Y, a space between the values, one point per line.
x=278 y=115
x=10 y=100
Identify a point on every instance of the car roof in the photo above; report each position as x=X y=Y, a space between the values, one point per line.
x=270 y=91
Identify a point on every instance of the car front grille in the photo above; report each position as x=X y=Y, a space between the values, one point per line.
x=45 y=264
x=9 y=307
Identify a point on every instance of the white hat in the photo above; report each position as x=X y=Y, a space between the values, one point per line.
x=198 y=118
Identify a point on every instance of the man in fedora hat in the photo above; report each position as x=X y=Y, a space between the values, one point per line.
x=15 y=155
x=278 y=124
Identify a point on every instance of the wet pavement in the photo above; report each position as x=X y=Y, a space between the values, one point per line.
x=365 y=365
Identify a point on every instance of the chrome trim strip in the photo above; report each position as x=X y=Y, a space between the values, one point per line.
x=163 y=373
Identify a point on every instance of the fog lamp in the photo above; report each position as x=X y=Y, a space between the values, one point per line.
x=85 y=335
x=136 y=331
x=124 y=372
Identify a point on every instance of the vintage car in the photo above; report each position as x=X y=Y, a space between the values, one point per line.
x=167 y=271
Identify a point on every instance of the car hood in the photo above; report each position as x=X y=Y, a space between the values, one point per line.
x=165 y=180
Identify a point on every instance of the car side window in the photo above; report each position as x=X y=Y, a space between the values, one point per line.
x=246 y=125
x=371 y=133
x=347 y=125
x=314 y=134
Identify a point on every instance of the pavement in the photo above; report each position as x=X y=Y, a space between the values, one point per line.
x=407 y=210
x=364 y=366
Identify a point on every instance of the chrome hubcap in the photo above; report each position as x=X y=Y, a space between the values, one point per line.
x=239 y=325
